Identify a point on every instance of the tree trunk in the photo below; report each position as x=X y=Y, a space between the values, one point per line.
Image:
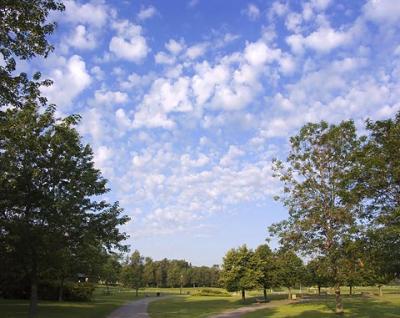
x=338 y=299
x=61 y=289
x=380 y=290
x=243 y=294
x=137 y=292
x=319 y=290
x=289 y=293
x=34 y=295
x=265 y=295
x=351 y=290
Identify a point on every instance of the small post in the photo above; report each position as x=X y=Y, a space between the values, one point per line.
x=180 y=290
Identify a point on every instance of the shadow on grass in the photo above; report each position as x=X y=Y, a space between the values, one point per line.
x=199 y=306
x=354 y=306
x=99 y=307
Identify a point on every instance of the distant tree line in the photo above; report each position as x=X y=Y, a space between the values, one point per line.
x=136 y=271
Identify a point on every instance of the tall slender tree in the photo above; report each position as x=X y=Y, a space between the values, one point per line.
x=319 y=180
x=266 y=264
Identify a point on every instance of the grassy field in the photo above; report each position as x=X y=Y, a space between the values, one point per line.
x=200 y=306
x=99 y=307
x=190 y=306
x=358 y=306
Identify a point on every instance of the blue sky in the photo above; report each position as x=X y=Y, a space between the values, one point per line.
x=185 y=103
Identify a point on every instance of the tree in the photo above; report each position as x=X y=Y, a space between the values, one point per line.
x=319 y=178
x=290 y=270
x=149 y=272
x=239 y=271
x=48 y=186
x=132 y=272
x=317 y=273
x=111 y=270
x=380 y=189
x=23 y=32
x=266 y=264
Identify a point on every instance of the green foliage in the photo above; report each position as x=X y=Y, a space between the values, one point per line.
x=317 y=273
x=73 y=291
x=50 y=220
x=171 y=273
x=320 y=178
x=132 y=272
x=111 y=269
x=239 y=270
x=266 y=264
x=290 y=269
x=380 y=189
x=23 y=32
x=211 y=292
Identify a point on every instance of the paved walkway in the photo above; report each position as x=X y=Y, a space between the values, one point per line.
x=134 y=309
x=236 y=313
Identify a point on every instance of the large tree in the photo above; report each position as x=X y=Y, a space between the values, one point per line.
x=239 y=271
x=48 y=189
x=319 y=179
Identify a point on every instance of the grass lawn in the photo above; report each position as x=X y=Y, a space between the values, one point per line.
x=191 y=306
x=197 y=306
x=387 y=306
x=99 y=307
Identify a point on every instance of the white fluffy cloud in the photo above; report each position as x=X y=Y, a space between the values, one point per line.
x=174 y=47
x=92 y=13
x=252 y=11
x=230 y=84
x=197 y=50
x=323 y=40
x=146 y=13
x=383 y=11
x=102 y=97
x=70 y=78
x=129 y=43
x=81 y=38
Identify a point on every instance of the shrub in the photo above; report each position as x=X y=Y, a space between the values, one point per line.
x=78 y=291
x=211 y=292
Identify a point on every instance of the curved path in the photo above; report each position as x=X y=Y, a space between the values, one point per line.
x=236 y=313
x=134 y=309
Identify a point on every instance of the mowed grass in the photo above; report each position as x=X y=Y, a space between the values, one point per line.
x=200 y=306
x=191 y=306
x=188 y=306
x=99 y=307
x=358 y=306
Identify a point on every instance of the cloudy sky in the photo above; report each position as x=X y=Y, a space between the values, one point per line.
x=186 y=102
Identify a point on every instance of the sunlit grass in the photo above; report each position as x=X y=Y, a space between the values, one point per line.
x=191 y=306
x=358 y=306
